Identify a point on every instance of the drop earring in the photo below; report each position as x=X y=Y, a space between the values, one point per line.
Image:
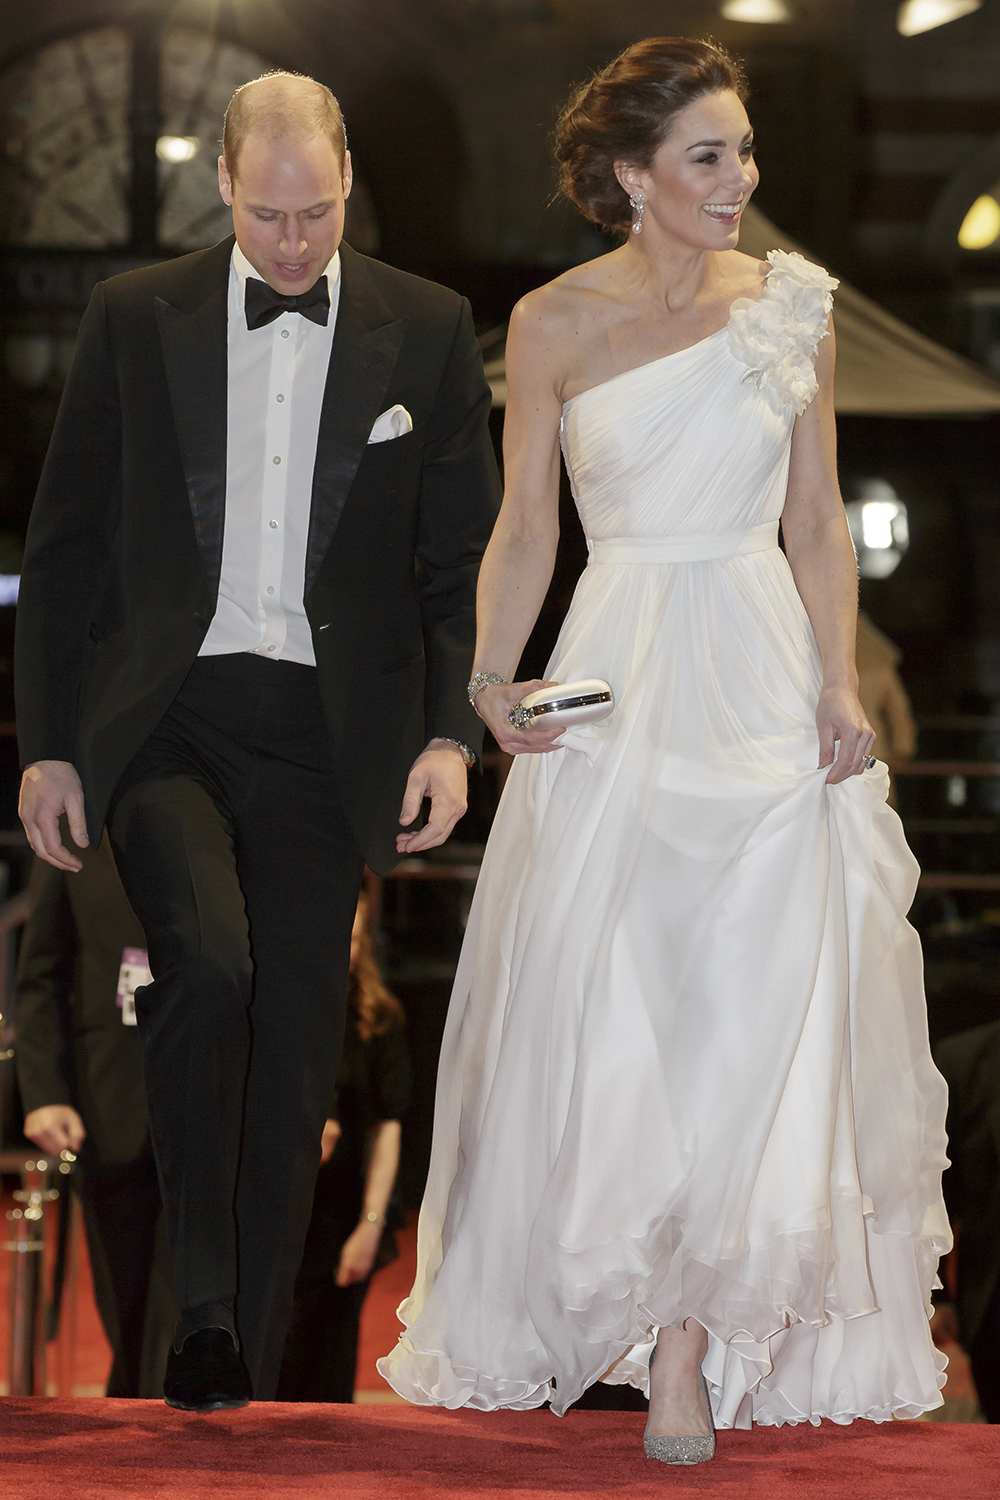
x=638 y=203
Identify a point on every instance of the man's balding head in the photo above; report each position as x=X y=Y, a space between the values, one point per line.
x=286 y=173
x=282 y=106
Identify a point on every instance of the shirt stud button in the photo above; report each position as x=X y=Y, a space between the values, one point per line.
x=270 y=648
x=270 y=590
x=273 y=525
x=276 y=460
x=279 y=398
x=284 y=335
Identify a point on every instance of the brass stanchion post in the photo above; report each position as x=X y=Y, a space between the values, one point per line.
x=26 y=1225
x=69 y=1299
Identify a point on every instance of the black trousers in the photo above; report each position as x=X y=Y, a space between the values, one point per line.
x=130 y=1262
x=321 y=1351
x=236 y=855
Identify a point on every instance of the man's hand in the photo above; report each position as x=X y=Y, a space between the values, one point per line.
x=493 y=705
x=50 y=788
x=358 y=1254
x=438 y=773
x=55 y=1128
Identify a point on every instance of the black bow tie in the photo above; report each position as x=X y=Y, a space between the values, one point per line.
x=263 y=304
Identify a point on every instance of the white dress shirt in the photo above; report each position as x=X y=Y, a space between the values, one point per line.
x=277 y=375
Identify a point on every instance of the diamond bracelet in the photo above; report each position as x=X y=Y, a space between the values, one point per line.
x=485 y=679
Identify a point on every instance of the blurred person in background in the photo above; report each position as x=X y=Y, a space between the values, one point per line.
x=79 y=1071
x=970 y=1062
x=350 y=1235
x=883 y=696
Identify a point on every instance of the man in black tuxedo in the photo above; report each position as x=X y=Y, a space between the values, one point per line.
x=245 y=626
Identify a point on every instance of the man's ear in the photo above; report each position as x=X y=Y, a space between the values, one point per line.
x=348 y=174
x=225 y=182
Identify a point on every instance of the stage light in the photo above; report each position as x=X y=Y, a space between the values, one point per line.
x=877 y=517
x=761 y=12
x=915 y=16
x=981 y=225
x=879 y=528
x=177 y=148
x=956 y=791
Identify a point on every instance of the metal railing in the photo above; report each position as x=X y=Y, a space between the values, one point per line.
x=43 y=1242
x=956 y=880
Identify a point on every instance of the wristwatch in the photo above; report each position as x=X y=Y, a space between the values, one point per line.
x=468 y=756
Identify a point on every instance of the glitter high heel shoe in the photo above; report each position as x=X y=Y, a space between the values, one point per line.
x=682 y=1450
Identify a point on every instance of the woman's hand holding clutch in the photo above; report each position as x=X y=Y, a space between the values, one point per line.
x=494 y=704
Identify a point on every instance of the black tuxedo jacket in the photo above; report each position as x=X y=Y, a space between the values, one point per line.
x=70 y=1044
x=121 y=571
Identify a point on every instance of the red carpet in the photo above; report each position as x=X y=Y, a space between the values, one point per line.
x=90 y=1450
x=91 y=1361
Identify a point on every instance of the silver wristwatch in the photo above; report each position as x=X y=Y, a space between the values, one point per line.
x=469 y=756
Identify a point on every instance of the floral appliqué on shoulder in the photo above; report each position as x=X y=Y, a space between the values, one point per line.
x=778 y=334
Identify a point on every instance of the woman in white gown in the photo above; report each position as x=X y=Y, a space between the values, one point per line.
x=685 y=1094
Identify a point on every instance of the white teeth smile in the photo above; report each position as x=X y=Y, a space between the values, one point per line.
x=724 y=210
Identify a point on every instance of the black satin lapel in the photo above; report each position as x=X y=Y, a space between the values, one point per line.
x=196 y=356
x=362 y=360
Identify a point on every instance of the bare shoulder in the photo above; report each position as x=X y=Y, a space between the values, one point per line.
x=563 y=305
x=745 y=271
x=541 y=315
x=557 y=330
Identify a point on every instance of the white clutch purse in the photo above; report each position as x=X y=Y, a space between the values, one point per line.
x=565 y=706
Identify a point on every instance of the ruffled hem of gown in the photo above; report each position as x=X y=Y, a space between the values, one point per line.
x=799 y=1372
x=739 y=1369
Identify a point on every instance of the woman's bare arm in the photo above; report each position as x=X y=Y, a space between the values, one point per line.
x=357 y=1256
x=821 y=557
x=517 y=567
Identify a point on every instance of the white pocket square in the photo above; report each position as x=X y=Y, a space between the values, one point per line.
x=391 y=424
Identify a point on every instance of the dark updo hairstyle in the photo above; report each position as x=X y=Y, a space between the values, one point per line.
x=626 y=112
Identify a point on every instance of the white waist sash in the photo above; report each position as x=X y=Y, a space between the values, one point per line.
x=681 y=549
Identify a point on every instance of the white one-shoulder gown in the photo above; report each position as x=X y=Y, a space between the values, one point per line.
x=686 y=1069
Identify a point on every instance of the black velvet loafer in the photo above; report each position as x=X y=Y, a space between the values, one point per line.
x=207 y=1374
